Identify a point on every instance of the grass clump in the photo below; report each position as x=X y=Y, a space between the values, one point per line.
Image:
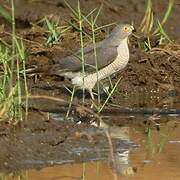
x=151 y=27
x=55 y=31
x=12 y=60
x=54 y=34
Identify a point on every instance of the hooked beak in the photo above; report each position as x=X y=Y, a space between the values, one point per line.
x=133 y=29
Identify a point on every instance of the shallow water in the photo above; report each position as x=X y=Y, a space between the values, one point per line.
x=157 y=156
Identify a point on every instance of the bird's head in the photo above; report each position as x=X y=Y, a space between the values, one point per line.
x=122 y=31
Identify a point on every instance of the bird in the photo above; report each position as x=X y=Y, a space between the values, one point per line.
x=112 y=55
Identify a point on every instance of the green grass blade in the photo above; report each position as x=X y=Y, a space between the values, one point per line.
x=71 y=101
x=75 y=13
x=104 y=26
x=5 y=13
x=162 y=32
x=97 y=15
x=110 y=94
x=168 y=12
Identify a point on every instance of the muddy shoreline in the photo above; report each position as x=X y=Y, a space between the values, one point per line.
x=38 y=143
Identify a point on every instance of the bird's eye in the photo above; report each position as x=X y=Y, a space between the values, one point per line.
x=126 y=29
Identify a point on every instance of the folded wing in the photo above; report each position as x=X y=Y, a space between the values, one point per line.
x=104 y=55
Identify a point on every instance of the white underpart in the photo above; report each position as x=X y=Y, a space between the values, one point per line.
x=91 y=79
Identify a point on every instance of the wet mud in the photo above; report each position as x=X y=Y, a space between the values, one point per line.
x=39 y=142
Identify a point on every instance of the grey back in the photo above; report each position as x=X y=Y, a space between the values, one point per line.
x=105 y=54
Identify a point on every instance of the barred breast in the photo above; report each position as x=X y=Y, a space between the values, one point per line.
x=119 y=63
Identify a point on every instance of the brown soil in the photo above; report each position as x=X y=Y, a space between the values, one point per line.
x=151 y=79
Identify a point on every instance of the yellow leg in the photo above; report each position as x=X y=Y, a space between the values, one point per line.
x=92 y=97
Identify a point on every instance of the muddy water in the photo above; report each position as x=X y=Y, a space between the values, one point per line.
x=157 y=156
